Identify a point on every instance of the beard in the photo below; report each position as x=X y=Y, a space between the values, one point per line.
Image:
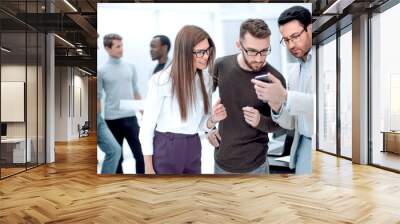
x=254 y=69
x=299 y=52
x=154 y=57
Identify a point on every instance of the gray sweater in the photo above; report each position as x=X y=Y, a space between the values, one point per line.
x=118 y=79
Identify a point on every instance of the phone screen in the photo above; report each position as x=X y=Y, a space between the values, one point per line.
x=263 y=77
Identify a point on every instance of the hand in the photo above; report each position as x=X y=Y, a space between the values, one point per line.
x=149 y=170
x=251 y=116
x=218 y=112
x=213 y=137
x=273 y=93
x=148 y=164
x=275 y=107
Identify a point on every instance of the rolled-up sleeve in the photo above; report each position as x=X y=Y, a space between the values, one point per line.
x=283 y=117
x=204 y=119
x=267 y=125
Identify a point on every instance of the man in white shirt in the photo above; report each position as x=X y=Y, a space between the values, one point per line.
x=293 y=108
x=159 y=48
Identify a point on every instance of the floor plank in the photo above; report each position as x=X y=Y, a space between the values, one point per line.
x=70 y=191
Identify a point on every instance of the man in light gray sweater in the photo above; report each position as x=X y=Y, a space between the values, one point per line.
x=118 y=79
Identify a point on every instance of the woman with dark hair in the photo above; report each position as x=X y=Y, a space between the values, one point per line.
x=178 y=105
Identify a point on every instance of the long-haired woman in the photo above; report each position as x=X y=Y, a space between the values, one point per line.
x=178 y=106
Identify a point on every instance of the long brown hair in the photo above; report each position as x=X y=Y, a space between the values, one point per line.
x=183 y=72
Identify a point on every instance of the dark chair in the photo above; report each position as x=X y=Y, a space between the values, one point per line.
x=287 y=145
x=84 y=130
x=282 y=167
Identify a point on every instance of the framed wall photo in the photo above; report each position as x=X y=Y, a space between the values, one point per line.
x=12 y=101
x=178 y=130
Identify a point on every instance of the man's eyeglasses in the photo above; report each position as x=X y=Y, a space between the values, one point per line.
x=294 y=38
x=254 y=53
x=201 y=53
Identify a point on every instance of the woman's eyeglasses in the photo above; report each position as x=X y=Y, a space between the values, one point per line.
x=201 y=53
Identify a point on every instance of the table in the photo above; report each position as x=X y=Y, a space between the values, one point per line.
x=391 y=141
x=13 y=150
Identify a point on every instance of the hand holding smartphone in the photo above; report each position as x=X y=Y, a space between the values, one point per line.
x=264 y=78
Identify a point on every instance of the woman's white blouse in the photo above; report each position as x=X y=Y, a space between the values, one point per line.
x=161 y=111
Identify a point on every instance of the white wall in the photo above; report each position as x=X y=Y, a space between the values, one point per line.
x=67 y=116
x=138 y=23
x=14 y=73
x=80 y=83
x=33 y=125
x=61 y=106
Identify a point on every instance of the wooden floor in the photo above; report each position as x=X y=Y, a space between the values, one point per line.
x=10 y=171
x=70 y=191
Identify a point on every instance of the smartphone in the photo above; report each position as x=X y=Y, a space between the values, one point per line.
x=264 y=78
